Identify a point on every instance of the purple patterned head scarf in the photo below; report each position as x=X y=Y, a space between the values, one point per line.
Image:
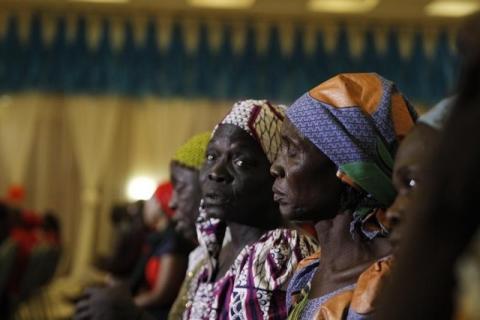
x=356 y=120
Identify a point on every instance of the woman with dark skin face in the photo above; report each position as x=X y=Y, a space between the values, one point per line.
x=413 y=166
x=236 y=183
x=115 y=303
x=235 y=170
x=307 y=173
x=409 y=174
x=444 y=221
x=245 y=280
x=186 y=185
x=311 y=185
x=184 y=174
x=333 y=169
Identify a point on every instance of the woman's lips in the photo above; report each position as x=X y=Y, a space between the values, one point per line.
x=278 y=196
x=214 y=199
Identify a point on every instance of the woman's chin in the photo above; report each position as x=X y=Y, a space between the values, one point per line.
x=287 y=212
x=290 y=213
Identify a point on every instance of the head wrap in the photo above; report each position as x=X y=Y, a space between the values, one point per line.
x=192 y=153
x=16 y=193
x=262 y=120
x=356 y=120
x=162 y=195
x=438 y=115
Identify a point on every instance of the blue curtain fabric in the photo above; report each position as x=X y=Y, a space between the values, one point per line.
x=138 y=69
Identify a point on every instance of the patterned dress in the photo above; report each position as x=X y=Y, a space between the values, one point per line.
x=254 y=286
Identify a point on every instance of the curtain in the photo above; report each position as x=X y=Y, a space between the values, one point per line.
x=160 y=127
x=93 y=123
x=171 y=60
x=18 y=119
x=52 y=180
x=84 y=150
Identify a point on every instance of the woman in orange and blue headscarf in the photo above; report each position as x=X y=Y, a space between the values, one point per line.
x=334 y=169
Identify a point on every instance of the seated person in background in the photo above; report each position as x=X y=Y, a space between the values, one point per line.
x=26 y=233
x=51 y=228
x=4 y=222
x=185 y=200
x=184 y=174
x=6 y=261
x=334 y=168
x=130 y=237
x=247 y=280
x=154 y=235
x=37 y=253
x=167 y=254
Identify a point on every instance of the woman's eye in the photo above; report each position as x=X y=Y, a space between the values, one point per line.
x=239 y=163
x=291 y=152
x=410 y=183
x=181 y=187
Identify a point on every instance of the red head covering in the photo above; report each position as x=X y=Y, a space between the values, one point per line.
x=163 y=194
x=16 y=193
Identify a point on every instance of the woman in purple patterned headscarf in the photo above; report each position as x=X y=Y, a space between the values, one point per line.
x=338 y=144
x=247 y=278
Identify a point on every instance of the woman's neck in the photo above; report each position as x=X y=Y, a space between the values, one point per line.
x=243 y=235
x=343 y=257
x=340 y=249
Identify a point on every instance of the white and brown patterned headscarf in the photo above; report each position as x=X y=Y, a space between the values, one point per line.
x=262 y=120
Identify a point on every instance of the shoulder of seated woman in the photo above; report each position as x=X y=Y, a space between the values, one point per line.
x=369 y=285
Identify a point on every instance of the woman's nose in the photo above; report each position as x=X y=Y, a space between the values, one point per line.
x=219 y=173
x=276 y=170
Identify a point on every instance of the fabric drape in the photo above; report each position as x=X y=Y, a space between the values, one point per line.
x=93 y=123
x=70 y=131
x=18 y=119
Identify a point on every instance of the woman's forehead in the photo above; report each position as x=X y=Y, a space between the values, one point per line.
x=233 y=136
x=288 y=130
x=417 y=146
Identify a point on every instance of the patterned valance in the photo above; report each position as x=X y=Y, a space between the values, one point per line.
x=223 y=60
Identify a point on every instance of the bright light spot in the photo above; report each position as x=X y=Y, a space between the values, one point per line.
x=141 y=188
x=223 y=4
x=451 y=8
x=342 y=6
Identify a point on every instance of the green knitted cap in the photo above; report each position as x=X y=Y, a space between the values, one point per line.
x=192 y=153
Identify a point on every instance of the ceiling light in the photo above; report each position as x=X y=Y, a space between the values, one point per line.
x=342 y=6
x=451 y=8
x=223 y=4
